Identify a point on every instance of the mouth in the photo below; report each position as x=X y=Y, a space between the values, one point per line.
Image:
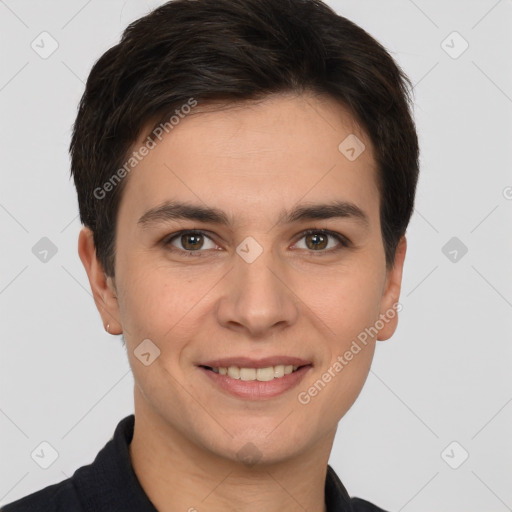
x=251 y=379
x=261 y=374
x=255 y=379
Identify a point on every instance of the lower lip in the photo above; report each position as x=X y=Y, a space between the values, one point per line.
x=255 y=389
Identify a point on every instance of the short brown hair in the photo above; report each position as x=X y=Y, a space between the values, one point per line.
x=235 y=50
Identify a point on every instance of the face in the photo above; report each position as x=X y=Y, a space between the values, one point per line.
x=250 y=287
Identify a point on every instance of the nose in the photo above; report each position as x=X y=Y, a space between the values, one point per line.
x=258 y=299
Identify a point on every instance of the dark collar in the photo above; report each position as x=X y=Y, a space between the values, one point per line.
x=113 y=473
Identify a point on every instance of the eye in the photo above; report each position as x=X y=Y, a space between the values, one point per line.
x=190 y=241
x=317 y=240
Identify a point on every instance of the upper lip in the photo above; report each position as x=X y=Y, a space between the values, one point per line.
x=247 y=362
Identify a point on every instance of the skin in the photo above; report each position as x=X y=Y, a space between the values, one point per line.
x=251 y=161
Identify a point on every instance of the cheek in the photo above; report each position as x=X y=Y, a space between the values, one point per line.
x=349 y=303
x=165 y=305
x=154 y=308
x=353 y=310
x=332 y=390
x=151 y=302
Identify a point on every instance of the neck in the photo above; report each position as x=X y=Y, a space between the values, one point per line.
x=178 y=475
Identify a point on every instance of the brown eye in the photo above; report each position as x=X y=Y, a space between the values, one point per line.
x=189 y=242
x=318 y=240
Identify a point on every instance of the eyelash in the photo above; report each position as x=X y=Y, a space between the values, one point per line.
x=344 y=241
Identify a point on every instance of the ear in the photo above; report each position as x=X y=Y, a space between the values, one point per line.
x=389 y=304
x=103 y=288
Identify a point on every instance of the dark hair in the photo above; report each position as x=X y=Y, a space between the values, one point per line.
x=232 y=51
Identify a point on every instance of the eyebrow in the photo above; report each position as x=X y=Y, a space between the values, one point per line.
x=176 y=210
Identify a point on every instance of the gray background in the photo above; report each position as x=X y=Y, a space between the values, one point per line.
x=445 y=375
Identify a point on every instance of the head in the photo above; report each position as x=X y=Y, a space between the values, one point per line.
x=250 y=122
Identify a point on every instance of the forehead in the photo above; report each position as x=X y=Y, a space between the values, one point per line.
x=255 y=154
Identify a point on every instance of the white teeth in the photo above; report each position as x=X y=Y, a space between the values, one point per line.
x=279 y=371
x=260 y=374
x=265 y=374
x=247 y=373
x=234 y=372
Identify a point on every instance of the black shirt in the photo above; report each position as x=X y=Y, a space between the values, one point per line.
x=109 y=484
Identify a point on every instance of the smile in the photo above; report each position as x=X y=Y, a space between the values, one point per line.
x=261 y=374
x=255 y=383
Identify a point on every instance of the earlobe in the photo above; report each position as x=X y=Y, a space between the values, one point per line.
x=103 y=293
x=388 y=318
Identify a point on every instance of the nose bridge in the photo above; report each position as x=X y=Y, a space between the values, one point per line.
x=256 y=269
x=257 y=298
